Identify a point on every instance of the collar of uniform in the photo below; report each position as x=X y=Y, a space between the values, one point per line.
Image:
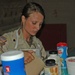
x=20 y=34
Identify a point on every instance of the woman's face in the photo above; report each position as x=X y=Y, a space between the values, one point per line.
x=33 y=23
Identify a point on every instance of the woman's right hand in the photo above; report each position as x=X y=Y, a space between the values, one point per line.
x=28 y=56
x=2 y=40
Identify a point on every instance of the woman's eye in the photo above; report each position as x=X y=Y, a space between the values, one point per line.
x=40 y=25
x=34 y=23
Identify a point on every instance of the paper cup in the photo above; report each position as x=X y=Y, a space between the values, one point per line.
x=70 y=61
x=71 y=65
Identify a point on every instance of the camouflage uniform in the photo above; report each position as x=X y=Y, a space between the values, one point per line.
x=15 y=41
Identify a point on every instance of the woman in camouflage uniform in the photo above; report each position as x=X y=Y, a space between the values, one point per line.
x=24 y=37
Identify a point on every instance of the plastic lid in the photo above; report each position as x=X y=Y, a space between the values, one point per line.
x=12 y=55
x=53 y=52
x=61 y=44
x=50 y=62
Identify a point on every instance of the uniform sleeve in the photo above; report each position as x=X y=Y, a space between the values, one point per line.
x=9 y=43
x=4 y=47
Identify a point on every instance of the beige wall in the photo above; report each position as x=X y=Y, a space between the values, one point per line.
x=10 y=12
x=57 y=11
x=61 y=11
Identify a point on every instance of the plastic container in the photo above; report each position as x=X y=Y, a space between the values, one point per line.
x=51 y=67
x=13 y=63
x=62 y=52
x=54 y=55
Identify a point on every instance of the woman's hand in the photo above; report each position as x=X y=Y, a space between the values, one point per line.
x=28 y=56
x=2 y=40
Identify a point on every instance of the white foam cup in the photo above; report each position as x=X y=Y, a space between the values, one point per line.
x=71 y=65
x=70 y=61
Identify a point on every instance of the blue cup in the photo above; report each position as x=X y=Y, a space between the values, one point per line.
x=13 y=63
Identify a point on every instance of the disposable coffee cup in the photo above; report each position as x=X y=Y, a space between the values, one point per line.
x=71 y=65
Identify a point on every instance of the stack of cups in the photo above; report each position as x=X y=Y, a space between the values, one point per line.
x=71 y=65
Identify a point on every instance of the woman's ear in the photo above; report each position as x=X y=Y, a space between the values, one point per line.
x=23 y=19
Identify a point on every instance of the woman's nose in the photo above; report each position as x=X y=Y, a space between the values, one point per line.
x=38 y=27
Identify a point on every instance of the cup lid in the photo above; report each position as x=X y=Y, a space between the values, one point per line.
x=12 y=55
x=61 y=44
x=50 y=62
x=53 y=52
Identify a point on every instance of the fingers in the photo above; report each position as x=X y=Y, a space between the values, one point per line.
x=31 y=51
x=28 y=57
x=2 y=40
x=27 y=60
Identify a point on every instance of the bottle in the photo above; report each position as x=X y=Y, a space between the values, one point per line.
x=62 y=52
x=54 y=55
x=51 y=67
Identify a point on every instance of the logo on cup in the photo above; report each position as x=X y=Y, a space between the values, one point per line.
x=7 y=69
